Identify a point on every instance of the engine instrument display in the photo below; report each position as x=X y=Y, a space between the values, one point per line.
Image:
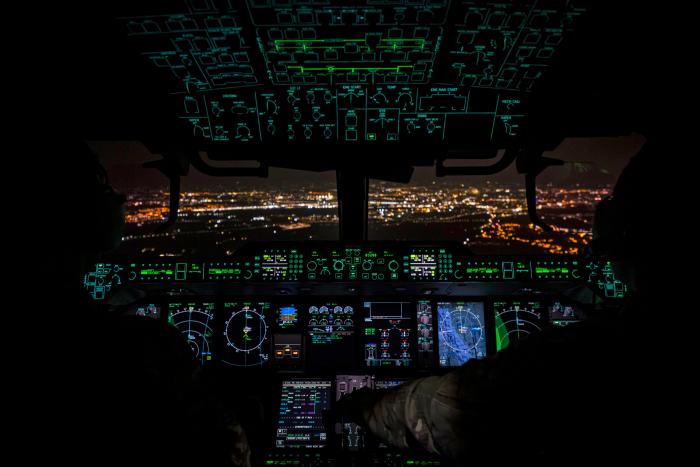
x=387 y=334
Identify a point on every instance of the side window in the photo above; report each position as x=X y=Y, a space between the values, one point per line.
x=217 y=215
x=489 y=214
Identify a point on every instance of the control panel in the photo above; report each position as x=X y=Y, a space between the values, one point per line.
x=371 y=72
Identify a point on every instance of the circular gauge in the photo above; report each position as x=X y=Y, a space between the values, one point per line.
x=195 y=324
x=348 y=322
x=514 y=323
x=348 y=309
x=324 y=309
x=461 y=329
x=338 y=309
x=245 y=330
x=313 y=310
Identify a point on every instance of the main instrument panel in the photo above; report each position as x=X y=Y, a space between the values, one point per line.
x=304 y=324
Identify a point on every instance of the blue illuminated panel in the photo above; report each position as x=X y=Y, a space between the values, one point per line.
x=461 y=332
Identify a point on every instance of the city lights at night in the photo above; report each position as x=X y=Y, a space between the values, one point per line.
x=486 y=217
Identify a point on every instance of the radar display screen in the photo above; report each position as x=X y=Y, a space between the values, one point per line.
x=562 y=313
x=461 y=332
x=287 y=316
x=515 y=320
x=424 y=320
x=352 y=437
x=194 y=321
x=300 y=422
x=331 y=334
x=387 y=334
x=245 y=334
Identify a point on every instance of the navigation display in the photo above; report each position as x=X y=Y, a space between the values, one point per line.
x=461 y=332
x=300 y=423
x=515 y=320
x=195 y=322
x=246 y=334
x=387 y=334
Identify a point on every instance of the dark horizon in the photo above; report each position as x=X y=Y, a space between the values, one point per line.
x=605 y=157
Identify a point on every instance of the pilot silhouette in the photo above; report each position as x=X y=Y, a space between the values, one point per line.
x=124 y=389
x=590 y=382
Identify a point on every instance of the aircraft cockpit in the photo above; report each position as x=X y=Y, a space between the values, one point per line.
x=326 y=195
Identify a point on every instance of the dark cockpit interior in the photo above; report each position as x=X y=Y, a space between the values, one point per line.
x=353 y=194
